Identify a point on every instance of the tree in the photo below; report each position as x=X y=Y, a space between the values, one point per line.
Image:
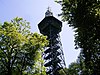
x=20 y=49
x=84 y=17
x=62 y=71
x=74 y=69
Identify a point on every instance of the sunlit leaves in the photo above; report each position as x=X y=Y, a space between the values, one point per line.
x=19 y=48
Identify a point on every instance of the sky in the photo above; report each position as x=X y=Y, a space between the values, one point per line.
x=34 y=11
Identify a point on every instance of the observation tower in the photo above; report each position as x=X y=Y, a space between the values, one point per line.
x=53 y=54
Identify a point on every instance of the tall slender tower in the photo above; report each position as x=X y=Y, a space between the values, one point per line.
x=53 y=55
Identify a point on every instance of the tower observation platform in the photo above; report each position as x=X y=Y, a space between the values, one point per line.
x=53 y=54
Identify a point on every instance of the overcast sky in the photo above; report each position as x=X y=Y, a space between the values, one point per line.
x=34 y=11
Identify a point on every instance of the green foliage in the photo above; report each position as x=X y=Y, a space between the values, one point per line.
x=62 y=71
x=84 y=17
x=20 y=49
x=73 y=69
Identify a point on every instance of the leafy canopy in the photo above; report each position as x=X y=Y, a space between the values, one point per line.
x=84 y=17
x=19 y=48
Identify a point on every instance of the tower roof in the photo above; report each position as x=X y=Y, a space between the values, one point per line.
x=48 y=12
